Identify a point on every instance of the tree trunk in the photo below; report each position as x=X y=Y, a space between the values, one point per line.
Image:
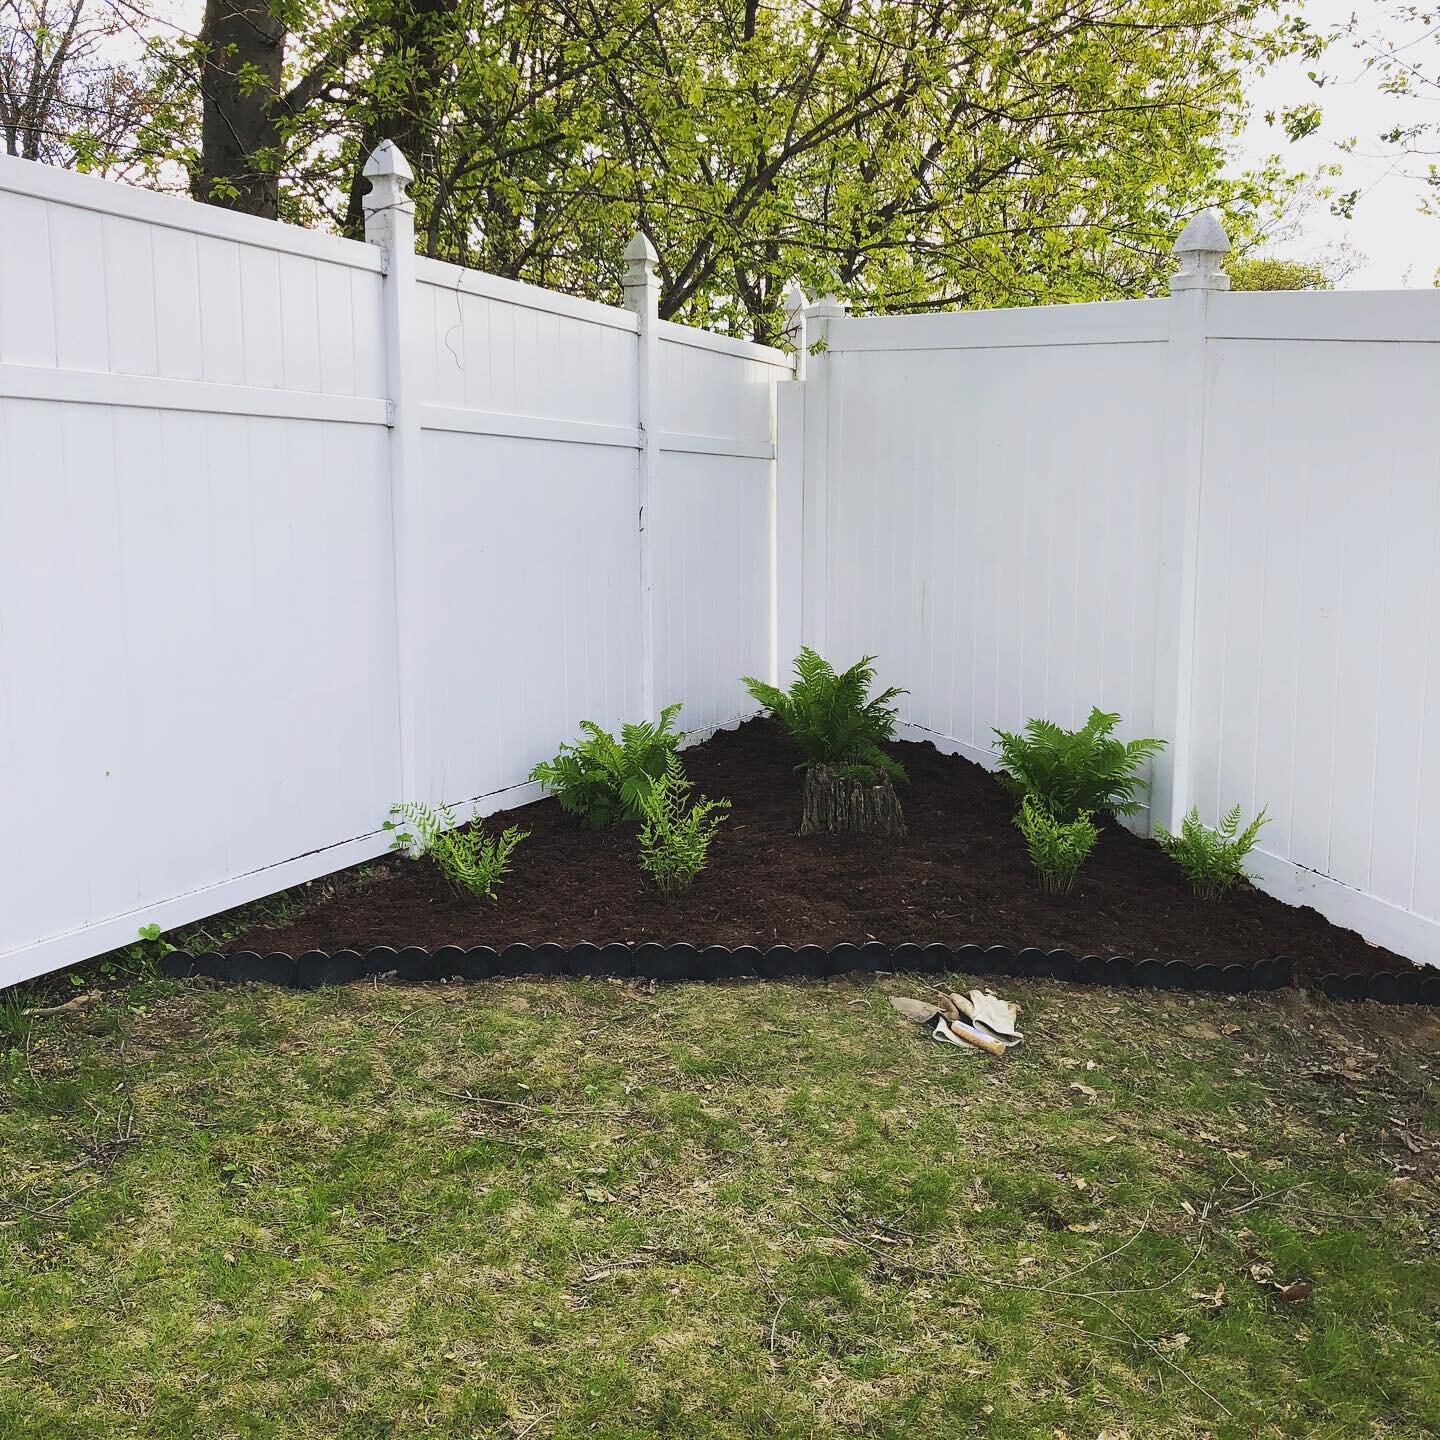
x=244 y=55
x=837 y=805
x=419 y=34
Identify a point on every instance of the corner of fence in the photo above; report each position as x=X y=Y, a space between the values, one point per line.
x=1200 y=252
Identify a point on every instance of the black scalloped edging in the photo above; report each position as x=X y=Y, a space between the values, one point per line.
x=719 y=962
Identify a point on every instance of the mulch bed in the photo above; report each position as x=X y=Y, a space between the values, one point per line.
x=962 y=877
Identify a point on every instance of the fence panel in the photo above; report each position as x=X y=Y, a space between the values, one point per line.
x=202 y=660
x=1317 y=648
x=196 y=622
x=712 y=537
x=994 y=519
x=528 y=482
x=1028 y=512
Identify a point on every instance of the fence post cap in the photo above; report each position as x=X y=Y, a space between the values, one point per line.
x=1204 y=235
x=1202 y=245
x=389 y=174
x=641 y=280
x=640 y=251
x=386 y=159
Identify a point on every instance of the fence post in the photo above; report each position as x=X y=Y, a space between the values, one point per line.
x=642 y=295
x=787 y=509
x=390 y=224
x=796 y=306
x=822 y=450
x=1201 y=249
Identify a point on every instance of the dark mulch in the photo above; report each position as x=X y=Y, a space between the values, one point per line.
x=962 y=877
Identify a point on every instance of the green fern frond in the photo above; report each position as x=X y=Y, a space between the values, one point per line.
x=469 y=859
x=1213 y=861
x=675 y=835
x=1072 y=772
x=603 y=781
x=1057 y=848
x=830 y=718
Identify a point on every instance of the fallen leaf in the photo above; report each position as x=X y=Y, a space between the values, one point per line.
x=1087 y=1228
x=1264 y=1274
x=1089 y=1090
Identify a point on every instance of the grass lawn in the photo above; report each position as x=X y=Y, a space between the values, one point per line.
x=576 y=1209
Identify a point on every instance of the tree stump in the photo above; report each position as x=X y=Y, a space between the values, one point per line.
x=838 y=805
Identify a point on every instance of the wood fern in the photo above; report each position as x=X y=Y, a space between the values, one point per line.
x=604 y=781
x=675 y=835
x=1058 y=848
x=1213 y=860
x=469 y=859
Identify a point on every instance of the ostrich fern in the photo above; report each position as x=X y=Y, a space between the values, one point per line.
x=830 y=718
x=1074 y=772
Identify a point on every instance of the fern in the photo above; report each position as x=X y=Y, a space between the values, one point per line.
x=602 y=780
x=1072 y=772
x=468 y=859
x=1058 y=848
x=1213 y=860
x=830 y=718
x=675 y=835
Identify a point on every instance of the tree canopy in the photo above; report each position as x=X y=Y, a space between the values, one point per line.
x=1271 y=272
x=903 y=154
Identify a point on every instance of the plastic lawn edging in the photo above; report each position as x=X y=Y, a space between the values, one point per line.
x=779 y=962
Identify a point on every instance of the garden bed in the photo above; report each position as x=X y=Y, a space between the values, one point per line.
x=961 y=878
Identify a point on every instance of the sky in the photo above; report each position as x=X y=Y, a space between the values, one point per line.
x=1401 y=248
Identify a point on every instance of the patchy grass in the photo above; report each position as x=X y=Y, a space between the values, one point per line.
x=576 y=1209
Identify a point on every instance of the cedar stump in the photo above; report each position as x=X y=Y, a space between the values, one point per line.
x=836 y=804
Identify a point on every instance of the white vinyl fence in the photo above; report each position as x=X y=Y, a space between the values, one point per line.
x=293 y=527
x=1218 y=514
